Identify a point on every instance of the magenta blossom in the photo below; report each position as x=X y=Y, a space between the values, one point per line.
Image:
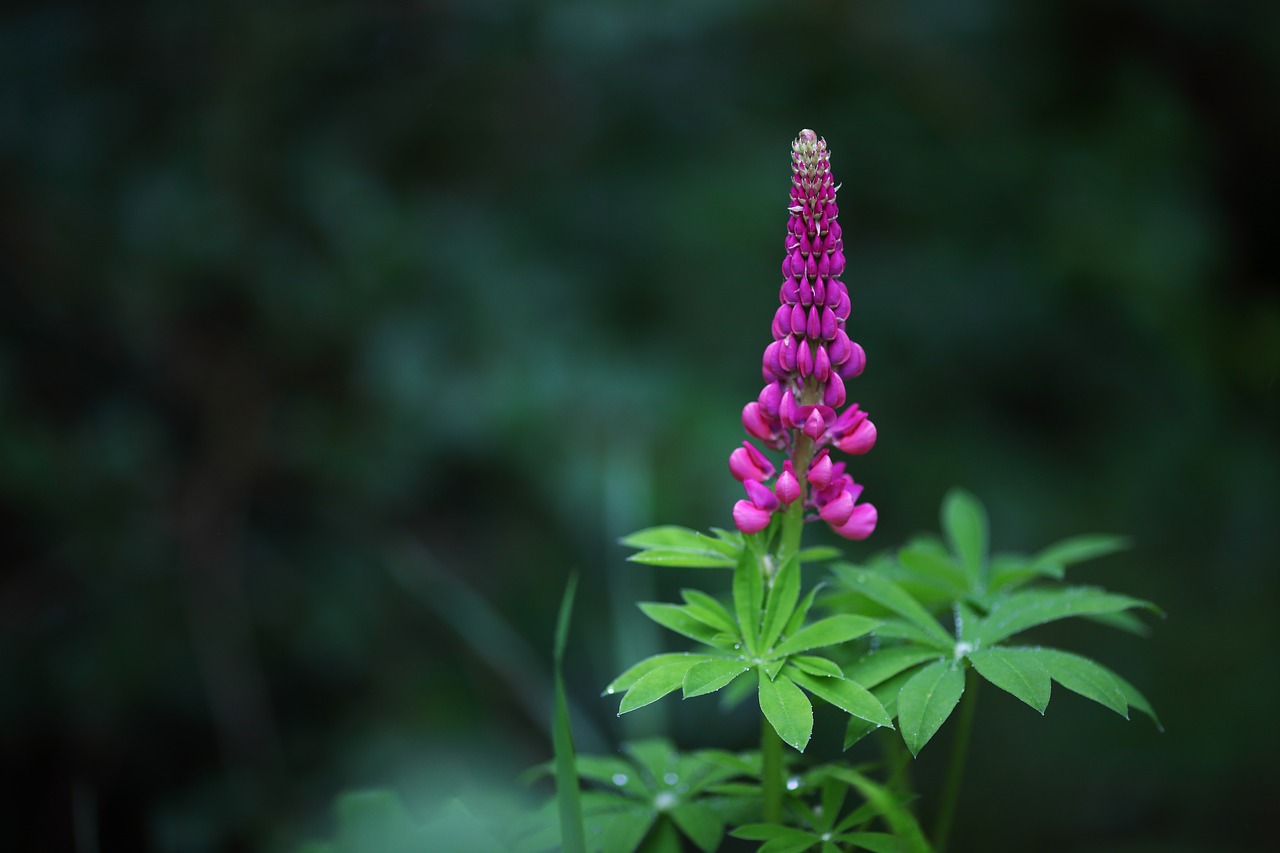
x=805 y=369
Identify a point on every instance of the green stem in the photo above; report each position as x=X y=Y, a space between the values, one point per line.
x=955 y=773
x=772 y=783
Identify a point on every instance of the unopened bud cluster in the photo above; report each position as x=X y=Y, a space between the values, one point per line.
x=805 y=369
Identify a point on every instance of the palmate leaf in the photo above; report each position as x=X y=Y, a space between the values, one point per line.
x=903 y=823
x=787 y=709
x=710 y=676
x=670 y=545
x=1024 y=610
x=700 y=824
x=649 y=664
x=886 y=694
x=676 y=618
x=926 y=700
x=883 y=664
x=830 y=631
x=1077 y=549
x=1017 y=671
x=748 y=597
x=707 y=610
x=1081 y=675
x=964 y=521
x=848 y=696
x=783 y=594
x=653 y=685
x=888 y=594
x=815 y=665
x=934 y=566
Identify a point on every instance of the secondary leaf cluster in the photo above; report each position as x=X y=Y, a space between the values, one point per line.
x=765 y=634
x=918 y=671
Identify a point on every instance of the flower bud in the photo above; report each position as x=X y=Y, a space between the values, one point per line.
x=749 y=518
x=748 y=463
x=787 y=487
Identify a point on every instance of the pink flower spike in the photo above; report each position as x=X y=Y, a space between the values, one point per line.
x=761 y=495
x=861 y=523
x=799 y=319
x=856 y=363
x=788 y=411
x=781 y=322
x=813 y=328
x=837 y=512
x=804 y=360
x=839 y=347
x=834 y=394
x=749 y=518
x=829 y=324
x=814 y=426
x=862 y=439
x=821 y=363
x=787 y=486
x=754 y=423
x=806 y=292
x=770 y=398
x=820 y=470
x=748 y=463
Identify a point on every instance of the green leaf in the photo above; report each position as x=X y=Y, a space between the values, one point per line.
x=935 y=567
x=927 y=700
x=798 y=617
x=648 y=665
x=1009 y=571
x=901 y=629
x=783 y=593
x=568 y=797
x=848 y=696
x=885 y=663
x=1024 y=610
x=787 y=709
x=888 y=594
x=681 y=559
x=886 y=694
x=606 y=768
x=622 y=827
x=901 y=821
x=652 y=686
x=1088 y=678
x=1136 y=699
x=1015 y=670
x=748 y=597
x=830 y=631
x=1077 y=549
x=819 y=666
x=707 y=610
x=876 y=842
x=710 y=676
x=772 y=831
x=674 y=617
x=699 y=821
x=964 y=521
x=674 y=538
x=818 y=554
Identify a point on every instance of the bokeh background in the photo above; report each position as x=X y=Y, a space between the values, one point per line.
x=334 y=337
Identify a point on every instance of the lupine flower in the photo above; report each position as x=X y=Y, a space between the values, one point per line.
x=805 y=369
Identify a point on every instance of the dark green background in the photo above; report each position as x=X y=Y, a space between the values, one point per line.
x=334 y=336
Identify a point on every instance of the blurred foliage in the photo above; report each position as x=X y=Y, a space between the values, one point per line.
x=285 y=286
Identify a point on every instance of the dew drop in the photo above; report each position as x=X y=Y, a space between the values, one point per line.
x=665 y=800
x=608 y=691
x=793 y=783
x=619 y=778
x=671 y=778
